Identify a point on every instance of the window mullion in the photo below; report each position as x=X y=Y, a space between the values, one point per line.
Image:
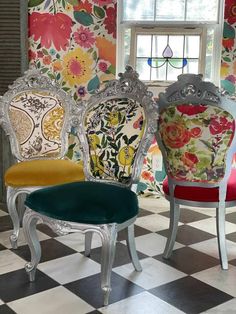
x=185 y=9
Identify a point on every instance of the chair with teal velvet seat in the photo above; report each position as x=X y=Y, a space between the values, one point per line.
x=116 y=128
x=196 y=134
x=37 y=115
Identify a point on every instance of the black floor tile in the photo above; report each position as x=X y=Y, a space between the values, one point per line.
x=187 y=215
x=51 y=249
x=121 y=289
x=144 y=212
x=3 y=207
x=231 y=236
x=121 y=256
x=45 y=229
x=4 y=309
x=233 y=262
x=190 y=295
x=231 y=217
x=5 y=223
x=2 y=247
x=189 y=261
x=138 y=231
x=16 y=285
x=188 y=235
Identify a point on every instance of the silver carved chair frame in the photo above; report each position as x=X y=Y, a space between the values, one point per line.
x=19 y=100
x=116 y=92
x=191 y=90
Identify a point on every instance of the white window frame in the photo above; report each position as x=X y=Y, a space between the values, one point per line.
x=151 y=27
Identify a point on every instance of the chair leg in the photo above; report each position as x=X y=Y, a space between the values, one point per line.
x=11 y=204
x=173 y=227
x=88 y=243
x=220 y=225
x=29 y=227
x=132 y=248
x=108 y=236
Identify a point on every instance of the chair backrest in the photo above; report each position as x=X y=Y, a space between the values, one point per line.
x=196 y=132
x=116 y=128
x=36 y=115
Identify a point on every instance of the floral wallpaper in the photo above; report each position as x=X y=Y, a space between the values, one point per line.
x=74 y=42
x=228 y=59
x=153 y=173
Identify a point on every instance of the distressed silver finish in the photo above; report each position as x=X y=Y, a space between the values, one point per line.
x=191 y=89
x=128 y=86
x=32 y=80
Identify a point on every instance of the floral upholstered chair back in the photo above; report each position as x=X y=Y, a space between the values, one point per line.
x=117 y=129
x=35 y=115
x=196 y=131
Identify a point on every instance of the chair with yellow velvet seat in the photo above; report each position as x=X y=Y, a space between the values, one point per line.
x=36 y=115
x=116 y=128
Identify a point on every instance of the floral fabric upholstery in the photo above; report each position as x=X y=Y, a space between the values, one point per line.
x=196 y=139
x=37 y=119
x=114 y=129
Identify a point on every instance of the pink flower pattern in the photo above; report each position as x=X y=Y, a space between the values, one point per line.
x=84 y=37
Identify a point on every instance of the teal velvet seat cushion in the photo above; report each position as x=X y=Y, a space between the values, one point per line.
x=85 y=202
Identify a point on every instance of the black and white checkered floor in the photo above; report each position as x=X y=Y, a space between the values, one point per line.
x=69 y=283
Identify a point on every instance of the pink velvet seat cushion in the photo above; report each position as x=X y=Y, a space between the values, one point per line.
x=200 y=194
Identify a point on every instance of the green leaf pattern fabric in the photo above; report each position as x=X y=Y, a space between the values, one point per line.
x=114 y=130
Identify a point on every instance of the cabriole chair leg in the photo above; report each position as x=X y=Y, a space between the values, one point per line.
x=132 y=248
x=88 y=243
x=220 y=226
x=11 y=203
x=29 y=227
x=174 y=219
x=108 y=236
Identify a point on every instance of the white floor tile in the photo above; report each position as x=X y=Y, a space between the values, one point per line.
x=143 y=303
x=155 y=205
x=223 y=280
x=152 y=244
x=153 y=222
x=58 y=300
x=76 y=241
x=70 y=268
x=3 y=213
x=206 y=211
x=9 y=261
x=4 y=239
x=209 y=225
x=210 y=247
x=154 y=273
x=225 y=308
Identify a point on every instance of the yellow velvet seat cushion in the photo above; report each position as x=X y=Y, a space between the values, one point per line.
x=43 y=173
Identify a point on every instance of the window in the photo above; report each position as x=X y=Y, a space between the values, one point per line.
x=164 y=38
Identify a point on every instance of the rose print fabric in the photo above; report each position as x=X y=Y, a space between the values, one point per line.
x=196 y=139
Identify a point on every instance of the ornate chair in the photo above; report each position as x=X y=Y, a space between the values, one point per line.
x=196 y=134
x=36 y=115
x=116 y=128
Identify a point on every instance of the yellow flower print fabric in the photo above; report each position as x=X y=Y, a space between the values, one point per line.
x=114 y=130
x=196 y=139
x=37 y=119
